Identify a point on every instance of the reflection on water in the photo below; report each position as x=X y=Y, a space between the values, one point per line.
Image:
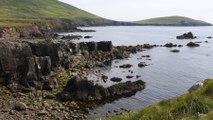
x=168 y=74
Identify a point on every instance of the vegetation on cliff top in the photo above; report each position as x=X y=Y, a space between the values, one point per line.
x=172 y=20
x=191 y=106
x=25 y=12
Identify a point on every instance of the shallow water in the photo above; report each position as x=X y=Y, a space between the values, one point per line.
x=168 y=74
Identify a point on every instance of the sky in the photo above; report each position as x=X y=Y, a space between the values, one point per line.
x=133 y=10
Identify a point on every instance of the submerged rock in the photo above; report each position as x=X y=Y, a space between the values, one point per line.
x=126 y=66
x=175 y=51
x=147 y=56
x=116 y=79
x=142 y=64
x=188 y=35
x=87 y=37
x=84 y=90
x=129 y=76
x=192 y=44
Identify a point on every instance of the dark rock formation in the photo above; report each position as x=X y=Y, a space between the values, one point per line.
x=197 y=86
x=104 y=78
x=191 y=44
x=29 y=64
x=146 y=56
x=116 y=79
x=170 y=45
x=129 y=76
x=148 y=46
x=77 y=89
x=142 y=64
x=175 y=51
x=210 y=37
x=125 y=66
x=188 y=35
x=87 y=37
x=104 y=46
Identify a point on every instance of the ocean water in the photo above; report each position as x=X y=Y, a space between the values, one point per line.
x=168 y=74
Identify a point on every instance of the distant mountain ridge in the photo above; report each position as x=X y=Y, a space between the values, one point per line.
x=14 y=12
x=56 y=13
x=173 y=21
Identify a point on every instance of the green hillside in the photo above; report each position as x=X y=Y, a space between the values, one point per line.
x=172 y=20
x=14 y=12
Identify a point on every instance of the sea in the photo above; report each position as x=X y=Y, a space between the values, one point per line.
x=167 y=75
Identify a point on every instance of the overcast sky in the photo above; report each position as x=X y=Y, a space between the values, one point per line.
x=133 y=10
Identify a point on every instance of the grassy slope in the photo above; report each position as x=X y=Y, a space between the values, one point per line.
x=14 y=12
x=168 y=20
x=191 y=106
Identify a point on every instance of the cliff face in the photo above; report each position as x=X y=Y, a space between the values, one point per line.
x=29 y=64
x=37 y=30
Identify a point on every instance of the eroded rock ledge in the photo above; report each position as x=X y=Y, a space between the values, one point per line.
x=84 y=90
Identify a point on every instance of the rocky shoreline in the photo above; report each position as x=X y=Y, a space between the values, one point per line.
x=35 y=75
x=48 y=79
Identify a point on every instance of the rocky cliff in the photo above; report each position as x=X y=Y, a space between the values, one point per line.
x=28 y=64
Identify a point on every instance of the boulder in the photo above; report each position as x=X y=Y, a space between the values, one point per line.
x=116 y=79
x=147 y=56
x=188 y=35
x=192 y=44
x=175 y=51
x=129 y=76
x=142 y=64
x=197 y=86
x=104 y=78
x=20 y=106
x=50 y=83
x=78 y=89
x=126 y=66
x=87 y=37
x=170 y=45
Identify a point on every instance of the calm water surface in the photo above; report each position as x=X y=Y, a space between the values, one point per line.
x=168 y=74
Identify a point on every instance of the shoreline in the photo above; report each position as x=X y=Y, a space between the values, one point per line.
x=52 y=56
x=40 y=100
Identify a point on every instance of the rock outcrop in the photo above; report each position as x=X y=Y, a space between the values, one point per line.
x=169 y=45
x=84 y=90
x=188 y=35
x=29 y=64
